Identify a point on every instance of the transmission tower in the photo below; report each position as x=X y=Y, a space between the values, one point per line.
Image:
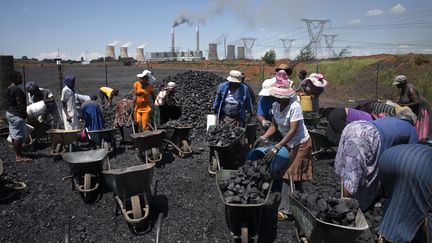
x=330 y=39
x=315 y=30
x=287 y=43
x=222 y=40
x=248 y=44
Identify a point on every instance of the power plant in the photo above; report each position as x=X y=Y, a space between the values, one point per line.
x=139 y=54
x=110 y=52
x=212 y=54
x=230 y=52
x=241 y=52
x=123 y=52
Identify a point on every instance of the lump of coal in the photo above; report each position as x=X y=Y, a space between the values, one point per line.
x=222 y=135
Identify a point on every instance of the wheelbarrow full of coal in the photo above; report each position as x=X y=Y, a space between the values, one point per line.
x=149 y=145
x=311 y=120
x=316 y=230
x=243 y=220
x=104 y=138
x=178 y=138
x=62 y=139
x=85 y=169
x=131 y=188
x=229 y=156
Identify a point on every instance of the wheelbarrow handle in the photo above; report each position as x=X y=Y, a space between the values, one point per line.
x=80 y=188
x=125 y=213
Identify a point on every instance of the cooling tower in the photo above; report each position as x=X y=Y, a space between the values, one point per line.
x=123 y=52
x=139 y=54
x=241 y=52
x=231 y=52
x=197 y=38
x=172 y=41
x=212 y=55
x=110 y=52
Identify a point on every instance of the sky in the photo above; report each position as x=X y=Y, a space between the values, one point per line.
x=82 y=28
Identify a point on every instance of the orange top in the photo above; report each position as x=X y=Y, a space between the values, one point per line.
x=143 y=94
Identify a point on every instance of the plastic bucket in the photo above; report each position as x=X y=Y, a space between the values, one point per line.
x=211 y=120
x=278 y=165
x=36 y=109
x=306 y=103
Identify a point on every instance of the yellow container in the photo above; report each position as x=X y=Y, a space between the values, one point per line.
x=306 y=103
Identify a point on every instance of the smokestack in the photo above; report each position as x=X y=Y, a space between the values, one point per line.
x=139 y=54
x=197 y=38
x=172 y=40
x=123 y=52
x=110 y=52
x=241 y=52
x=212 y=55
x=231 y=52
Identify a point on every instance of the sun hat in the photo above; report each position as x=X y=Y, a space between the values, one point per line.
x=171 y=85
x=400 y=79
x=405 y=113
x=317 y=80
x=235 y=76
x=266 y=86
x=282 y=88
x=30 y=86
x=148 y=74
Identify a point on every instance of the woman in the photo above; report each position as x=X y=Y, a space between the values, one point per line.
x=411 y=97
x=108 y=94
x=68 y=99
x=92 y=115
x=167 y=103
x=288 y=120
x=340 y=117
x=360 y=146
x=233 y=100
x=143 y=91
x=314 y=86
x=264 y=114
x=405 y=171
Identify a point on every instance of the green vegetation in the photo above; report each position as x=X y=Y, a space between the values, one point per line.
x=269 y=57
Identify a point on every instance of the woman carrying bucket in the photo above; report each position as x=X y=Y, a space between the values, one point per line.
x=288 y=120
x=313 y=86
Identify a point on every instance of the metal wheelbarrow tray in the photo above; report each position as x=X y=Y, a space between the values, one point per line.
x=149 y=142
x=131 y=185
x=178 y=138
x=229 y=157
x=317 y=230
x=104 y=138
x=243 y=220
x=60 y=137
x=85 y=168
x=311 y=119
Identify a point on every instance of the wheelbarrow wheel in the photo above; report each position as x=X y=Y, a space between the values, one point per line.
x=155 y=153
x=87 y=185
x=244 y=235
x=213 y=167
x=136 y=207
x=185 y=145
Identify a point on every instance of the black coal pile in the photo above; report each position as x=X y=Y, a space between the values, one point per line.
x=222 y=135
x=109 y=115
x=195 y=92
x=332 y=210
x=248 y=185
x=181 y=122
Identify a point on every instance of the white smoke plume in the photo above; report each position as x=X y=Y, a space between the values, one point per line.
x=127 y=44
x=142 y=45
x=113 y=43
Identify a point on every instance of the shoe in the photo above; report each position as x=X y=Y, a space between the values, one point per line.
x=24 y=160
x=282 y=216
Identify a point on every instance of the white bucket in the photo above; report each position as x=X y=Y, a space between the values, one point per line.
x=211 y=120
x=36 y=109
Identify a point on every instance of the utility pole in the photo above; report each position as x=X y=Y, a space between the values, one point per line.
x=248 y=43
x=287 y=43
x=315 y=30
x=330 y=39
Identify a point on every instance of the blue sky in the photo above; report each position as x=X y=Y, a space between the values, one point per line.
x=39 y=28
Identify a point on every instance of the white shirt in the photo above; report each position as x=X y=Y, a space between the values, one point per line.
x=292 y=113
x=68 y=96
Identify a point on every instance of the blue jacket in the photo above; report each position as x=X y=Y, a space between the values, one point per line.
x=93 y=117
x=245 y=100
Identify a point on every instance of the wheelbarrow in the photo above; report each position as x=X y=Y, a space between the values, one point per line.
x=62 y=138
x=85 y=169
x=9 y=185
x=150 y=143
x=178 y=138
x=230 y=156
x=104 y=138
x=131 y=188
x=318 y=231
x=311 y=120
x=40 y=129
x=321 y=144
x=243 y=220
x=250 y=135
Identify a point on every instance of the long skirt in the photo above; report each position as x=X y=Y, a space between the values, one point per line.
x=422 y=125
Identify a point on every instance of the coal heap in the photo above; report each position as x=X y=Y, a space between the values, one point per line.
x=222 y=135
x=195 y=91
x=181 y=122
x=332 y=210
x=248 y=185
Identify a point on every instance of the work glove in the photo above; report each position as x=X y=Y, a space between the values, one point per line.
x=271 y=154
x=266 y=124
x=260 y=140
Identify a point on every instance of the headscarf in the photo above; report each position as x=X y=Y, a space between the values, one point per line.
x=69 y=81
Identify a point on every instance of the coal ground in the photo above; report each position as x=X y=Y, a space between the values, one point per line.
x=183 y=192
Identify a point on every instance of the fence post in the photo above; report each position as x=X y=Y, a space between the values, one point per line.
x=60 y=73
x=24 y=80
x=317 y=68
x=262 y=72
x=106 y=75
x=376 y=83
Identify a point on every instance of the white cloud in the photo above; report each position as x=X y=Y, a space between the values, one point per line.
x=127 y=44
x=51 y=55
x=427 y=50
x=90 y=56
x=262 y=29
x=355 y=21
x=375 y=12
x=113 y=43
x=26 y=10
x=142 y=45
x=403 y=46
x=398 y=8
